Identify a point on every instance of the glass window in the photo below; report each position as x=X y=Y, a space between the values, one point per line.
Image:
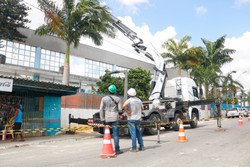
x=42 y=56
x=21 y=51
x=47 y=52
x=22 y=46
x=52 y=58
x=26 y=58
x=9 y=43
x=21 y=57
x=42 y=61
x=52 y=68
x=33 y=49
x=32 y=54
x=2 y=52
x=52 y=53
x=15 y=50
x=27 y=47
x=46 y=67
x=9 y=55
x=14 y=61
x=52 y=63
x=27 y=53
x=26 y=64
x=8 y=60
x=47 y=57
x=62 y=55
x=9 y=49
x=32 y=59
x=20 y=63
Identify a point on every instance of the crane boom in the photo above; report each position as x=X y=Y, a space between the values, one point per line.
x=160 y=74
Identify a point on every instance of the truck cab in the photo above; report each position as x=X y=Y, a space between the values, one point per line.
x=171 y=108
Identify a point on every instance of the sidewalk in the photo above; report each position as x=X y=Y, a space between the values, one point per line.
x=47 y=139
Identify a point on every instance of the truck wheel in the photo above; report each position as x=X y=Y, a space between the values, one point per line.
x=152 y=130
x=194 y=121
x=177 y=118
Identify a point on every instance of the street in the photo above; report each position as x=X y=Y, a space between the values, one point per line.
x=207 y=146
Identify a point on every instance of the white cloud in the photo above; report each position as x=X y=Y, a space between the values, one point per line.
x=132 y=5
x=241 y=2
x=35 y=15
x=201 y=10
x=241 y=58
x=133 y=2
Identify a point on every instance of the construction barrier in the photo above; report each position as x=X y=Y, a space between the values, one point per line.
x=181 y=137
x=107 y=149
x=240 y=120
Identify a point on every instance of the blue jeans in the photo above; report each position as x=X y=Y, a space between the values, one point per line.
x=134 y=129
x=115 y=131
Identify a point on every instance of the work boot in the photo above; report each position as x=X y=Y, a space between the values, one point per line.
x=133 y=150
x=141 y=149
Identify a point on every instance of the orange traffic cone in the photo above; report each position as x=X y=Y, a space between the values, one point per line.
x=248 y=118
x=107 y=149
x=181 y=137
x=240 y=120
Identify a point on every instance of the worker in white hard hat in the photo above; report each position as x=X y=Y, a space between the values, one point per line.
x=133 y=108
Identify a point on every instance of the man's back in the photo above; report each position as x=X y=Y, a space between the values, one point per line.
x=110 y=105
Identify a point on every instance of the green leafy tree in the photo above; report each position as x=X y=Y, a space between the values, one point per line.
x=139 y=79
x=86 y=18
x=12 y=16
x=106 y=80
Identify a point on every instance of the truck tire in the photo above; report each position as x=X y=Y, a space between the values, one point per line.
x=152 y=130
x=194 y=121
x=177 y=118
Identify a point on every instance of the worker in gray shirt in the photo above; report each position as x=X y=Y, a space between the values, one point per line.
x=109 y=114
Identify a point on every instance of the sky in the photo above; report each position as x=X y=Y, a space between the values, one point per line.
x=155 y=21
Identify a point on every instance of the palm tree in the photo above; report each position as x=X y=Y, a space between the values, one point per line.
x=213 y=56
x=86 y=18
x=179 y=54
x=229 y=85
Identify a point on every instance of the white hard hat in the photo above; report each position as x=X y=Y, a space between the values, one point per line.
x=131 y=92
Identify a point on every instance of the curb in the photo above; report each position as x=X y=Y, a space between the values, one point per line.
x=53 y=139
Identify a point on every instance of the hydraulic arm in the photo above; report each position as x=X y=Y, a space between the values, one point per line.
x=160 y=74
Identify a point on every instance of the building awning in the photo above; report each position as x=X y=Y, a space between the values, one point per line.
x=38 y=88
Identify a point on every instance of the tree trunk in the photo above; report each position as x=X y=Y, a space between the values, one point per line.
x=66 y=70
x=179 y=71
x=206 y=106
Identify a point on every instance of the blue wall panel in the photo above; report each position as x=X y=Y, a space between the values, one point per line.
x=52 y=114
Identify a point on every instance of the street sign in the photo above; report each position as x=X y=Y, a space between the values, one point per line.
x=233 y=102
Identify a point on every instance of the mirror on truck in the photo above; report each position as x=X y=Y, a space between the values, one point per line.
x=195 y=92
x=201 y=91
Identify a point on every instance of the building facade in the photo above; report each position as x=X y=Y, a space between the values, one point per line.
x=42 y=58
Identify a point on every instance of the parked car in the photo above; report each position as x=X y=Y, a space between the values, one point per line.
x=232 y=112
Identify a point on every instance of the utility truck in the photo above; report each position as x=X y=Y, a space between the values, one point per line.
x=170 y=101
